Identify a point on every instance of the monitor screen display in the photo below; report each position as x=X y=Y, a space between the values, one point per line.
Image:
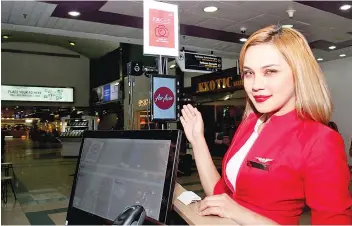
x=111 y=178
x=114 y=173
x=164 y=96
x=106 y=93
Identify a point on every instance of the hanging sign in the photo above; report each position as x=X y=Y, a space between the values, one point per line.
x=160 y=28
x=106 y=93
x=201 y=63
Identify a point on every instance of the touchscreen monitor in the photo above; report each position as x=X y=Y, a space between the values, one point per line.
x=117 y=169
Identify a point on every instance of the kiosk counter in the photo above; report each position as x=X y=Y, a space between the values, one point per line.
x=190 y=212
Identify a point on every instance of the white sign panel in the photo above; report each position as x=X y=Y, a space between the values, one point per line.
x=160 y=29
x=38 y=94
x=114 y=91
x=164 y=98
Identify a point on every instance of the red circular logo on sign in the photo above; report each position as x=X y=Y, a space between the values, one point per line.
x=164 y=98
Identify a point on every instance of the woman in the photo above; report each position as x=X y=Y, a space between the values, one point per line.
x=283 y=155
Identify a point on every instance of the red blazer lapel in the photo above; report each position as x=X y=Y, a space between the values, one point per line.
x=270 y=143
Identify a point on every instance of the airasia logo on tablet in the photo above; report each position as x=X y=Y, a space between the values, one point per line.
x=164 y=98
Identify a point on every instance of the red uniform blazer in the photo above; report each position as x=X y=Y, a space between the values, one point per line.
x=309 y=165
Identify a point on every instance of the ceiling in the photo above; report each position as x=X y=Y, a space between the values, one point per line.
x=90 y=48
x=110 y=22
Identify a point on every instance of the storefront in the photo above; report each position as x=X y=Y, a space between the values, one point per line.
x=26 y=107
x=220 y=98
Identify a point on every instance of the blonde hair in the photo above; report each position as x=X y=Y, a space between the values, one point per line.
x=312 y=95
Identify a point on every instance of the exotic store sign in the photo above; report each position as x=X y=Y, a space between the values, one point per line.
x=217 y=82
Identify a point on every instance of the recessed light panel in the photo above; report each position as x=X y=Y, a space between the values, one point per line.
x=74 y=13
x=243 y=39
x=345 y=7
x=210 y=9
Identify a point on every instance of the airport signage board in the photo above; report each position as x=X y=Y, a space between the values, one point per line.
x=200 y=63
x=37 y=94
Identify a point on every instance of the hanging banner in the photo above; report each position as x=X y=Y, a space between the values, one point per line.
x=160 y=29
x=36 y=93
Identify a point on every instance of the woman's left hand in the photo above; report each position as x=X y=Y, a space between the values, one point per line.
x=219 y=205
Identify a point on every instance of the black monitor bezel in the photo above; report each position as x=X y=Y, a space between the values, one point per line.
x=76 y=216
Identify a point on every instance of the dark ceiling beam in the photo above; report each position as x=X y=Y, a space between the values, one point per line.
x=330 y=7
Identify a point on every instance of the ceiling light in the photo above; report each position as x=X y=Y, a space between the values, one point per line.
x=210 y=9
x=172 y=66
x=5 y=36
x=72 y=43
x=74 y=13
x=345 y=7
x=287 y=26
x=342 y=55
x=332 y=47
x=320 y=59
x=243 y=39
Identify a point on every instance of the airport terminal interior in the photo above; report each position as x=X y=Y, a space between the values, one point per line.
x=74 y=69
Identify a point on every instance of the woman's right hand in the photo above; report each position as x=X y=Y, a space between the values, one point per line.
x=192 y=123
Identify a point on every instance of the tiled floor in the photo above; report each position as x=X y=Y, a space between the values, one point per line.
x=44 y=181
x=43 y=184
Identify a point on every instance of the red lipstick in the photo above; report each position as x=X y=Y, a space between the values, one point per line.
x=261 y=98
